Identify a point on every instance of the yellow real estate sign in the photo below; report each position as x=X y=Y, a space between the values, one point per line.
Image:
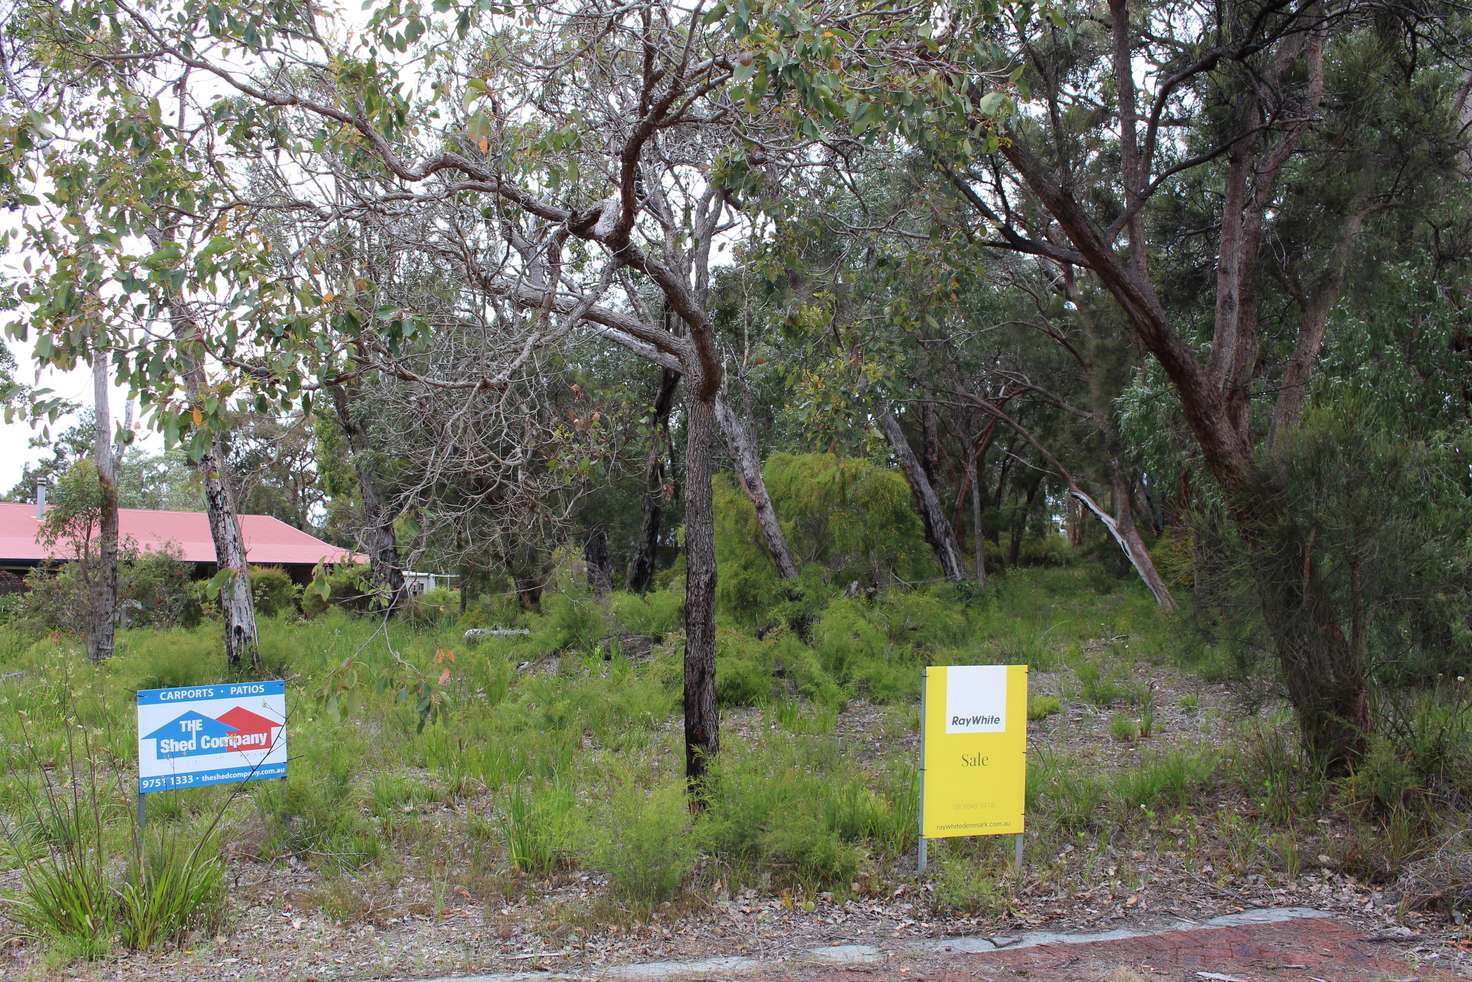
x=974 y=757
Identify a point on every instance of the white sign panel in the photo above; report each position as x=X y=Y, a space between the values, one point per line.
x=196 y=735
x=976 y=699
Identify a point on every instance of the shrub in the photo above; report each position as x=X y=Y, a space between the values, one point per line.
x=961 y=888
x=912 y=617
x=272 y=590
x=349 y=587
x=80 y=889
x=1123 y=729
x=11 y=606
x=1041 y=707
x=177 y=889
x=844 y=639
x=431 y=607
x=853 y=519
x=154 y=590
x=649 y=847
x=654 y=614
x=537 y=827
x=1167 y=781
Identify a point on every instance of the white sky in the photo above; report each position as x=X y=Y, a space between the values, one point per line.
x=76 y=385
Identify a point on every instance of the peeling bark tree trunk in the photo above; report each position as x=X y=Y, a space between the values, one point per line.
x=378 y=513
x=646 y=549
x=749 y=469
x=938 y=531
x=237 y=606
x=702 y=723
x=1121 y=528
x=102 y=629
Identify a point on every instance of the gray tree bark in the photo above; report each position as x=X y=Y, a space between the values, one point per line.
x=702 y=722
x=938 y=531
x=976 y=520
x=378 y=512
x=749 y=470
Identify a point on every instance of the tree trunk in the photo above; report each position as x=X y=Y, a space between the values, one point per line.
x=938 y=531
x=237 y=606
x=1121 y=528
x=1019 y=527
x=102 y=629
x=749 y=469
x=1325 y=674
x=702 y=725
x=979 y=542
x=595 y=557
x=378 y=513
x=646 y=550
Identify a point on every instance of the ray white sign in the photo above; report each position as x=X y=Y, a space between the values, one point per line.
x=976 y=699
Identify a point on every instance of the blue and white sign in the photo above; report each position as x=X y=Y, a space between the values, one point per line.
x=211 y=734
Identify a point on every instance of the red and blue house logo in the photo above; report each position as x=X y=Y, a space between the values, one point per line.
x=192 y=734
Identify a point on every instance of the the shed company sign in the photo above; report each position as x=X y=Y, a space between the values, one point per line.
x=211 y=734
x=974 y=765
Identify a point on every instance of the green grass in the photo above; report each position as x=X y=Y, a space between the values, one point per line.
x=544 y=758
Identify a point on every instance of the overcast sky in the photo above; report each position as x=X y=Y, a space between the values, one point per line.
x=76 y=385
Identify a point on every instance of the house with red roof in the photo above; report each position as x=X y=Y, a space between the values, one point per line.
x=268 y=541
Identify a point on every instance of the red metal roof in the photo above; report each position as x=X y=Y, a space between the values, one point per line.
x=268 y=541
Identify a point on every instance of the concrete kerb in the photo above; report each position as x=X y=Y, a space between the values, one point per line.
x=838 y=956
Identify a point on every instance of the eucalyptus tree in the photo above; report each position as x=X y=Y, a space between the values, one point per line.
x=573 y=157
x=131 y=248
x=1077 y=135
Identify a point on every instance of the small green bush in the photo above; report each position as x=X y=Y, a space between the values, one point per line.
x=654 y=614
x=537 y=826
x=649 y=847
x=961 y=888
x=1123 y=729
x=845 y=639
x=177 y=889
x=272 y=591
x=431 y=607
x=1167 y=781
x=1041 y=707
x=349 y=587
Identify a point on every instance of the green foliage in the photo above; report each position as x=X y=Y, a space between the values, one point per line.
x=849 y=517
x=537 y=826
x=154 y=589
x=177 y=889
x=654 y=614
x=1123 y=728
x=963 y=886
x=431 y=607
x=648 y=846
x=272 y=591
x=348 y=586
x=1041 y=707
x=1166 y=781
x=797 y=812
x=82 y=888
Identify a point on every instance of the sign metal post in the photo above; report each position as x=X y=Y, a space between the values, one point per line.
x=922 y=773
